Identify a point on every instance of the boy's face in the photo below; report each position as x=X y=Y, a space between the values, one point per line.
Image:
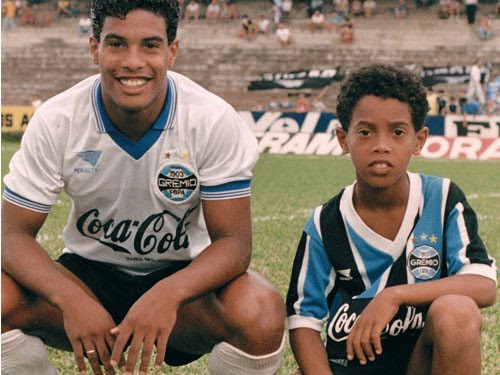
x=133 y=57
x=381 y=140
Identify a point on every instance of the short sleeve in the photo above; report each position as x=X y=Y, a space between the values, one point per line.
x=228 y=159
x=34 y=179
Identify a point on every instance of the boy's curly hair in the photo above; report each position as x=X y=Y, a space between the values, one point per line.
x=168 y=9
x=384 y=81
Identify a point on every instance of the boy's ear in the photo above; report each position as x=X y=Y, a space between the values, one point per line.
x=173 y=49
x=341 y=137
x=421 y=138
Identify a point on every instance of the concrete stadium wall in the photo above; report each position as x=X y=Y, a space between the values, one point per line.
x=46 y=68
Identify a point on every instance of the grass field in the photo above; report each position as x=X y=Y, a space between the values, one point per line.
x=285 y=189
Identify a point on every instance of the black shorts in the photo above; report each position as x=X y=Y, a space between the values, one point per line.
x=394 y=359
x=117 y=291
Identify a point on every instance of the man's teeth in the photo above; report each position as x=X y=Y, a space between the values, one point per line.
x=133 y=82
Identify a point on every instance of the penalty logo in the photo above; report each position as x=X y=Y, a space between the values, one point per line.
x=424 y=262
x=176 y=182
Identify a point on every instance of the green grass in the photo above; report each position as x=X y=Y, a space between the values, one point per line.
x=285 y=189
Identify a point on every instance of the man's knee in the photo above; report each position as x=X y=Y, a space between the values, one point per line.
x=455 y=316
x=255 y=312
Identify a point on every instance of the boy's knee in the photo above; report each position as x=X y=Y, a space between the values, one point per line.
x=455 y=316
x=257 y=315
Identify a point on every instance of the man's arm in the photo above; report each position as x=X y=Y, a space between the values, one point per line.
x=152 y=318
x=87 y=324
x=309 y=351
x=364 y=339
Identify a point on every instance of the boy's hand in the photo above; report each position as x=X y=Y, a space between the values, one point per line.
x=364 y=339
x=87 y=326
x=149 y=322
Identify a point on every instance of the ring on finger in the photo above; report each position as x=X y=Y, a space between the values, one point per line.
x=90 y=351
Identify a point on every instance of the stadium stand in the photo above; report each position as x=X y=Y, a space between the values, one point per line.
x=42 y=61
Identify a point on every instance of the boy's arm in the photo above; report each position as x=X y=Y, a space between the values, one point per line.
x=309 y=351
x=86 y=322
x=152 y=318
x=364 y=339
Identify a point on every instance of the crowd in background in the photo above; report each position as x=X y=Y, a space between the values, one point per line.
x=277 y=19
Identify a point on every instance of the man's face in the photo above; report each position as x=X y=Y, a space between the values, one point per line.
x=133 y=57
x=381 y=140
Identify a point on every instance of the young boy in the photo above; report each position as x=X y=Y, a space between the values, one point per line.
x=158 y=240
x=391 y=251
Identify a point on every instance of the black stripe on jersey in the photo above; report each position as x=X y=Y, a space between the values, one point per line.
x=338 y=249
x=293 y=294
x=476 y=250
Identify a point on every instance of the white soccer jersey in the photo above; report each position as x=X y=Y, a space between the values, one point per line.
x=135 y=205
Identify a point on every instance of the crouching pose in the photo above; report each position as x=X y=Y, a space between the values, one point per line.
x=390 y=252
x=158 y=240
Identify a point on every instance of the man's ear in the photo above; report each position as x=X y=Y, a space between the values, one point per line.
x=94 y=49
x=341 y=137
x=173 y=49
x=421 y=138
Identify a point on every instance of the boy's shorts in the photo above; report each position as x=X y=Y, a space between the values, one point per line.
x=118 y=291
x=394 y=359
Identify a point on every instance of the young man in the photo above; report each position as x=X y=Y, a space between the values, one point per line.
x=158 y=240
x=389 y=252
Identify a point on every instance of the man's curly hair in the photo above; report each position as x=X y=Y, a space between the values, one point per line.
x=168 y=9
x=384 y=81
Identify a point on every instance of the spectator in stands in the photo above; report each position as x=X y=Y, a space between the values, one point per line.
x=74 y=8
x=469 y=106
x=63 y=9
x=341 y=7
x=369 y=7
x=454 y=9
x=277 y=12
x=192 y=10
x=225 y=14
x=475 y=87
x=492 y=108
x=284 y=35
x=264 y=25
x=401 y=11
x=317 y=21
x=286 y=105
x=432 y=102
x=444 y=9
x=441 y=101
x=313 y=5
x=452 y=108
x=20 y=5
x=356 y=8
x=287 y=9
x=8 y=15
x=84 y=25
x=335 y=21
x=470 y=10
x=302 y=104
x=233 y=12
x=248 y=30
x=273 y=105
x=346 y=31
x=485 y=28
x=212 y=13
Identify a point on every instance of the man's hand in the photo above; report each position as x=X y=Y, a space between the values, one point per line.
x=88 y=326
x=149 y=321
x=364 y=339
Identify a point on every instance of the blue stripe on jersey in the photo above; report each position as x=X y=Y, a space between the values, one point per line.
x=137 y=149
x=19 y=200
x=375 y=261
x=454 y=242
x=317 y=279
x=234 y=189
